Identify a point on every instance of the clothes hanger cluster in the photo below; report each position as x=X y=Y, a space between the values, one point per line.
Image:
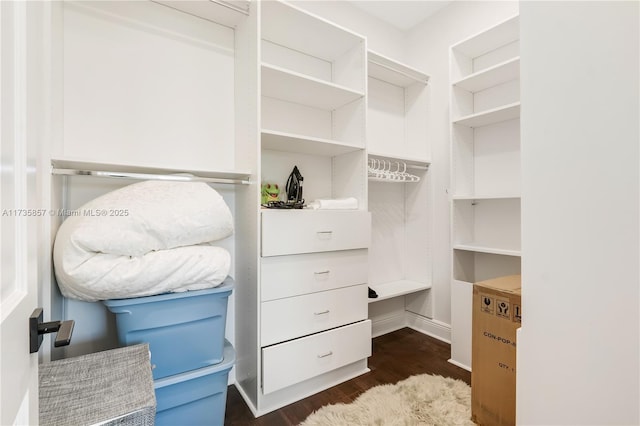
x=389 y=171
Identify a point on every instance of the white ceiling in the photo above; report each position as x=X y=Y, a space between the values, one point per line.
x=402 y=14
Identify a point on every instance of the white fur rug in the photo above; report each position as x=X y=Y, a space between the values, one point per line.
x=419 y=400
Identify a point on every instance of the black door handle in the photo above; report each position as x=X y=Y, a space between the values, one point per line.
x=37 y=328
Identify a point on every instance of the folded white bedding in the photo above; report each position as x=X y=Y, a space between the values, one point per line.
x=147 y=238
x=110 y=276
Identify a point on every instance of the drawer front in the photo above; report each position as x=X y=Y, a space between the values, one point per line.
x=296 y=232
x=286 y=276
x=293 y=317
x=293 y=362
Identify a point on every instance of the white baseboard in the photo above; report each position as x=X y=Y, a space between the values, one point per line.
x=459 y=364
x=387 y=325
x=428 y=326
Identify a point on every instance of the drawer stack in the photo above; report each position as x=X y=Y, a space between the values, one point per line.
x=190 y=358
x=314 y=299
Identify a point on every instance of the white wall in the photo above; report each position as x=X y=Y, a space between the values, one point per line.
x=578 y=356
x=427 y=48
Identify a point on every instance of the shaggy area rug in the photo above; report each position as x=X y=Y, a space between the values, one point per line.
x=419 y=400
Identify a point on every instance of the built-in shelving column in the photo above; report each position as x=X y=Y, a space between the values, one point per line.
x=398 y=161
x=313 y=330
x=485 y=169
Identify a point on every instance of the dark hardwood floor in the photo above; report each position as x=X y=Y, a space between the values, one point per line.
x=395 y=356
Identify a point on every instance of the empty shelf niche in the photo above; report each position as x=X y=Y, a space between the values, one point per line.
x=313 y=76
x=485 y=73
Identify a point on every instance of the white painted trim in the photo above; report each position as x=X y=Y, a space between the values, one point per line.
x=456 y=363
x=387 y=325
x=430 y=327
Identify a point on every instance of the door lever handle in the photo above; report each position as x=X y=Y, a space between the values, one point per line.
x=37 y=328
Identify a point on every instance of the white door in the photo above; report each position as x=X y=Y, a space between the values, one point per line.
x=20 y=131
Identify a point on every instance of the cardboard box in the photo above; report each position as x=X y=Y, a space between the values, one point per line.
x=496 y=317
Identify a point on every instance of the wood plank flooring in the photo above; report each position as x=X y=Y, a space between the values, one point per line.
x=395 y=356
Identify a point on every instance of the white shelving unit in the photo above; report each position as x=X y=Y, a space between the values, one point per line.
x=313 y=110
x=485 y=169
x=125 y=117
x=399 y=270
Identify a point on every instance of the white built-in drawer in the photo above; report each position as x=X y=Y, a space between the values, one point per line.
x=286 y=276
x=310 y=231
x=286 y=319
x=301 y=359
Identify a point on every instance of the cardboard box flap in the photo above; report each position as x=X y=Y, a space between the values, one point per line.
x=508 y=284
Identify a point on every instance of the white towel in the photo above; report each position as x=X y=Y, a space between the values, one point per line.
x=334 y=204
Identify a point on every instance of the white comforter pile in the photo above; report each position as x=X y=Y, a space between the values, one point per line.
x=144 y=239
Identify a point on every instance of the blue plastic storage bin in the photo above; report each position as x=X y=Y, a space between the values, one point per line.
x=197 y=397
x=185 y=330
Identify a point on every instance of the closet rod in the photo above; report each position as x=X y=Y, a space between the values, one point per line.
x=397 y=71
x=416 y=167
x=231 y=6
x=147 y=176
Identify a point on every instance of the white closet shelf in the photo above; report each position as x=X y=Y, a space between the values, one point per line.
x=397 y=288
x=490 y=77
x=483 y=197
x=480 y=248
x=227 y=13
x=290 y=142
x=396 y=73
x=128 y=171
x=291 y=86
x=492 y=116
x=286 y=25
x=499 y=35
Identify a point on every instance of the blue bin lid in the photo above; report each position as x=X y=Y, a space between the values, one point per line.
x=226 y=286
x=229 y=358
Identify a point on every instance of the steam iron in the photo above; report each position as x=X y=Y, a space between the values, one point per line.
x=294 y=189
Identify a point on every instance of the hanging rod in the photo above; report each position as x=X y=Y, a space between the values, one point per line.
x=231 y=6
x=147 y=176
x=417 y=167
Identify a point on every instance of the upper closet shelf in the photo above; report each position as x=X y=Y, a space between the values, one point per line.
x=492 y=116
x=124 y=171
x=228 y=13
x=490 y=77
x=386 y=69
x=301 y=89
x=501 y=34
x=290 y=142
